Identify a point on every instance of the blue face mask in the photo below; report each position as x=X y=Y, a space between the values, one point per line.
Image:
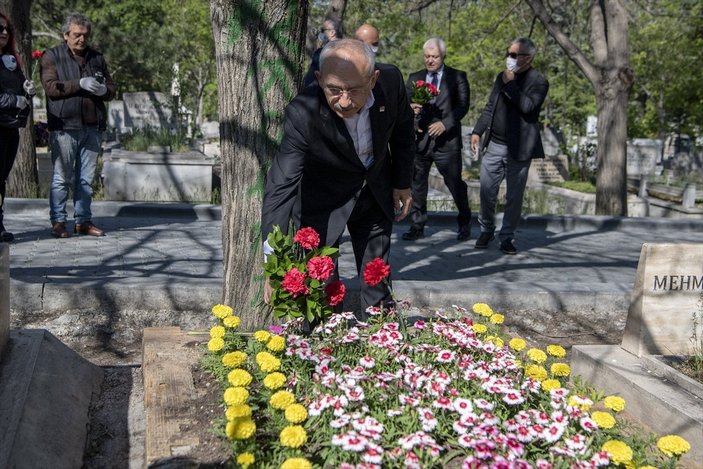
x=9 y=61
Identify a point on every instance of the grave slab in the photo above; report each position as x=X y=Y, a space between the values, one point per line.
x=652 y=390
x=45 y=394
x=4 y=296
x=667 y=293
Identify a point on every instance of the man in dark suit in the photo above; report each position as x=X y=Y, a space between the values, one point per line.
x=511 y=130
x=345 y=158
x=439 y=138
x=328 y=32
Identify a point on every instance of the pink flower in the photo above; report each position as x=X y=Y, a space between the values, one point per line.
x=375 y=271
x=445 y=356
x=320 y=267
x=335 y=292
x=294 y=282
x=307 y=238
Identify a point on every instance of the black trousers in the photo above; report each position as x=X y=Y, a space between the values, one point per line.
x=449 y=166
x=9 y=142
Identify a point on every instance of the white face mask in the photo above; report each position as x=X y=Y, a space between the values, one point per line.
x=511 y=64
x=9 y=62
x=374 y=49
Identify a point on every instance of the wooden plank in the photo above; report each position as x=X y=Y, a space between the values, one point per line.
x=169 y=393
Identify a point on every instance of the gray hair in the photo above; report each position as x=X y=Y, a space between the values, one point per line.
x=526 y=44
x=351 y=44
x=75 y=18
x=438 y=43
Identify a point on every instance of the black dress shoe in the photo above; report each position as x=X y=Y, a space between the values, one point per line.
x=464 y=233
x=413 y=234
x=483 y=240
x=507 y=247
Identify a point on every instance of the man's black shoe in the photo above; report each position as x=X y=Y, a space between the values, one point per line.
x=413 y=234
x=507 y=247
x=483 y=240
x=464 y=233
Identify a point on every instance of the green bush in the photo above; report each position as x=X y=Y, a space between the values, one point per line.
x=142 y=139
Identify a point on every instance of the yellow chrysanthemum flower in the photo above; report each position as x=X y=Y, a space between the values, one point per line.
x=217 y=332
x=234 y=359
x=483 y=309
x=262 y=336
x=497 y=341
x=556 y=351
x=238 y=411
x=560 y=369
x=537 y=355
x=646 y=467
x=216 y=344
x=240 y=429
x=296 y=463
x=517 y=344
x=614 y=403
x=276 y=343
x=246 y=459
x=274 y=380
x=619 y=452
x=536 y=372
x=673 y=445
x=497 y=319
x=267 y=362
x=293 y=436
x=239 y=377
x=234 y=396
x=221 y=311
x=296 y=413
x=479 y=328
x=603 y=419
x=282 y=399
x=550 y=384
x=232 y=321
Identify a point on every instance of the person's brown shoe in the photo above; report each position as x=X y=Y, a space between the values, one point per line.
x=88 y=228
x=59 y=230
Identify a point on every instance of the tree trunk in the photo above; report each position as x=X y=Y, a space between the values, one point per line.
x=611 y=77
x=24 y=179
x=259 y=51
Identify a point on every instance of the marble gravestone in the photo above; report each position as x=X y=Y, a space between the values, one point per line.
x=147 y=109
x=667 y=293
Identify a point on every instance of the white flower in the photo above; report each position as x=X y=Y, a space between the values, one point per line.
x=463 y=406
x=367 y=362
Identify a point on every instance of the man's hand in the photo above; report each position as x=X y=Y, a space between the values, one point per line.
x=29 y=88
x=436 y=129
x=402 y=201
x=91 y=85
x=268 y=291
x=475 y=140
x=417 y=108
x=508 y=75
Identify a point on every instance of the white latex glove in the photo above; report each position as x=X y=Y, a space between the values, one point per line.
x=22 y=102
x=89 y=84
x=29 y=88
x=100 y=90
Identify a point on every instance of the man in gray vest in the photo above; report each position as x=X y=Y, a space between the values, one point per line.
x=77 y=85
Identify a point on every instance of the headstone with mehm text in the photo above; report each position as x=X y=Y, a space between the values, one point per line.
x=667 y=295
x=147 y=109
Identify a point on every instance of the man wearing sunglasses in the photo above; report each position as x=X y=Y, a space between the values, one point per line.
x=510 y=128
x=345 y=159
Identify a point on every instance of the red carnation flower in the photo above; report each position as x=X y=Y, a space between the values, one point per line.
x=375 y=271
x=320 y=267
x=307 y=238
x=37 y=54
x=294 y=282
x=335 y=292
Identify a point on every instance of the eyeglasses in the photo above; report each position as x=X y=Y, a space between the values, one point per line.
x=514 y=55
x=352 y=94
x=4 y=29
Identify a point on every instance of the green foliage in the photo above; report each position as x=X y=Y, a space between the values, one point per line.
x=579 y=186
x=142 y=139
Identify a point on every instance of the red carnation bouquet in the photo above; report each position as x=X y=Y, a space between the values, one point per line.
x=423 y=92
x=300 y=273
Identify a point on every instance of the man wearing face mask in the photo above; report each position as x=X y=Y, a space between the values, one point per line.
x=368 y=34
x=328 y=32
x=511 y=130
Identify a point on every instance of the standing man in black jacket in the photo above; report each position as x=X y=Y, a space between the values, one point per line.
x=511 y=130
x=77 y=84
x=438 y=138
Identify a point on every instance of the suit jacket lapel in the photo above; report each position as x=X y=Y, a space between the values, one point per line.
x=379 y=123
x=333 y=126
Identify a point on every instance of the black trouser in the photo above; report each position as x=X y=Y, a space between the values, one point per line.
x=449 y=166
x=9 y=142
